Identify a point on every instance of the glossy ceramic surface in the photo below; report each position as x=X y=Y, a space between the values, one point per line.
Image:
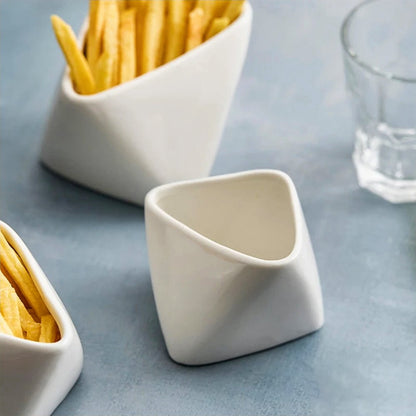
x=36 y=377
x=232 y=266
x=162 y=127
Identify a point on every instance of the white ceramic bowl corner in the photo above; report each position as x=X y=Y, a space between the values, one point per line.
x=161 y=127
x=36 y=377
x=232 y=266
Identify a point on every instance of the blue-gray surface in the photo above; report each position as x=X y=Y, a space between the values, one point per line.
x=289 y=113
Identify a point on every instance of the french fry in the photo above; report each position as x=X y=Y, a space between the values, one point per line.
x=4 y=282
x=220 y=6
x=135 y=3
x=110 y=38
x=48 y=329
x=27 y=322
x=127 y=45
x=33 y=331
x=208 y=6
x=217 y=25
x=176 y=28
x=33 y=314
x=104 y=71
x=153 y=35
x=122 y=5
x=10 y=310
x=95 y=32
x=13 y=285
x=80 y=70
x=4 y=328
x=141 y=7
x=195 y=28
x=12 y=263
x=25 y=316
x=233 y=9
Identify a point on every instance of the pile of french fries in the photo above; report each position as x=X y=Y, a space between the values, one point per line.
x=128 y=38
x=22 y=310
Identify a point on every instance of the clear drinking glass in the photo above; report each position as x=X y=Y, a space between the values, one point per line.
x=379 y=49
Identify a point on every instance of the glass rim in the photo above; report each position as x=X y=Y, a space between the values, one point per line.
x=349 y=50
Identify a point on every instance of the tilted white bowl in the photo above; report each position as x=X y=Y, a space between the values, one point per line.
x=161 y=127
x=35 y=377
x=232 y=266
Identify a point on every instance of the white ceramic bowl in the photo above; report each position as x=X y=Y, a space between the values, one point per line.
x=35 y=377
x=161 y=127
x=232 y=266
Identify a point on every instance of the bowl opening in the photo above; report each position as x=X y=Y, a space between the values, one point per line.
x=251 y=214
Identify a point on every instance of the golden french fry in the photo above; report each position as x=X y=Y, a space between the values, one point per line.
x=104 y=71
x=208 y=6
x=48 y=329
x=33 y=315
x=13 y=285
x=153 y=35
x=220 y=6
x=141 y=7
x=26 y=319
x=80 y=70
x=95 y=32
x=33 y=331
x=135 y=3
x=4 y=328
x=14 y=266
x=122 y=5
x=217 y=25
x=110 y=38
x=195 y=29
x=233 y=9
x=28 y=324
x=176 y=28
x=127 y=45
x=4 y=282
x=10 y=310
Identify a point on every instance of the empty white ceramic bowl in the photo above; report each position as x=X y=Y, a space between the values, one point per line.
x=232 y=266
x=161 y=127
x=35 y=377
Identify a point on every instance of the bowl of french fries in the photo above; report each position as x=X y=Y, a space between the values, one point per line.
x=146 y=92
x=40 y=352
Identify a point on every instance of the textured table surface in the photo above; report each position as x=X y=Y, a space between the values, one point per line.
x=289 y=113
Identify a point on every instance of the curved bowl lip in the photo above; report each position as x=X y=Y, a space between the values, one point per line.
x=49 y=296
x=68 y=89
x=349 y=50
x=152 y=203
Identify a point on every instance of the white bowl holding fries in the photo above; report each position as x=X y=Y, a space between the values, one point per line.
x=36 y=376
x=232 y=266
x=161 y=127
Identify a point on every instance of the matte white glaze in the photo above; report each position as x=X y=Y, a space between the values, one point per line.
x=232 y=266
x=35 y=377
x=161 y=127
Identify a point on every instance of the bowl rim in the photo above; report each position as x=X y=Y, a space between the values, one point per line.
x=67 y=85
x=350 y=52
x=152 y=204
x=48 y=294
